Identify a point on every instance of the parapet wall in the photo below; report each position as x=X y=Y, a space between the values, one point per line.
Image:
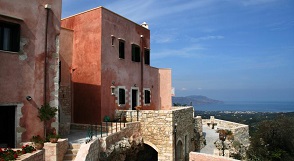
x=240 y=131
x=194 y=156
x=158 y=127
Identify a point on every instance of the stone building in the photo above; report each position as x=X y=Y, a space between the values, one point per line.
x=105 y=66
x=29 y=39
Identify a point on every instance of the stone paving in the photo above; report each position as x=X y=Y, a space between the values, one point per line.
x=211 y=136
x=80 y=136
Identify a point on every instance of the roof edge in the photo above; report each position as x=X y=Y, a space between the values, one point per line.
x=106 y=10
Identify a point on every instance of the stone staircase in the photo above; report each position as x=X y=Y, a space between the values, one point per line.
x=72 y=151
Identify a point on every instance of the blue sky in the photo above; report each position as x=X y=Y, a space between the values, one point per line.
x=231 y=50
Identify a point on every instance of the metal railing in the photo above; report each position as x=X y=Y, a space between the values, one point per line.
x=104 y=127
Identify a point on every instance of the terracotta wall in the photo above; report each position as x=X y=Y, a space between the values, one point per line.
x=165 y=88
x=124 y=72
x=97 y=65
x=194 y=156
x=86 y=76
x=65 y=88
x=22 y=73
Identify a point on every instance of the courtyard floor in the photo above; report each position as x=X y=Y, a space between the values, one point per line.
x=211 y=136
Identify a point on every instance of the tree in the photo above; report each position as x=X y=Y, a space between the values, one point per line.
x=273 y=140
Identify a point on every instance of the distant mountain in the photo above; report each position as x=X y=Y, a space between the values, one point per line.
x=195 y=99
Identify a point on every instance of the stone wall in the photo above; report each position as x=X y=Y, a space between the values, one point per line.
x=157 y=127
x=194 y=156
x=88 y=152
x=55 y=151
x=200 y=139
x=116 y=146
x=35 y=156
x=65 y=109
x=240 y=142
x=240 y=131
x=184 y=117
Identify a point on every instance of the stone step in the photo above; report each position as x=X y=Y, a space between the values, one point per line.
x=74 y=146
x=69 y=157
x=72 y=151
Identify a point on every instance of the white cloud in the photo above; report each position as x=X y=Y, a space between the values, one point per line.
x=139 y=11
x=187 y=52
x=211 y=37
x=256 y=2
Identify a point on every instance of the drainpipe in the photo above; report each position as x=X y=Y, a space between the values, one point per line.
x=142 y=71
x=47 y=7
x=175 y=139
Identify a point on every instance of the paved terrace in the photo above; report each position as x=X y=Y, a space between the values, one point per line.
x=211 y=136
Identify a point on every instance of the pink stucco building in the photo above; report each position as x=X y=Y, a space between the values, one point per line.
x=105 y=66
x=29 y=36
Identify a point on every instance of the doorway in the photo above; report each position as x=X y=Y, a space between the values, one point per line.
x=7 y=117
x=134 y=98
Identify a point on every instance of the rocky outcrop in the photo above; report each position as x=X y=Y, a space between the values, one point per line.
x=199 y=137
x=125 y=148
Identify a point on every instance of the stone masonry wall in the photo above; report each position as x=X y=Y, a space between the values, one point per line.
x=193 y=156
x=65 y=109
x=116 y=145
x=157 y=128
x=200 y=139
x=88 y=152
x=240 y=131
x=39 y=155
x=55 y=151
x=184 y=117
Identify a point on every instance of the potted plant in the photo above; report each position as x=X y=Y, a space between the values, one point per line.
x=46 y=113
x=38 y=141
x=53 y=136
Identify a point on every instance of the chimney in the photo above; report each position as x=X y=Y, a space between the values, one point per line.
x=144 y=24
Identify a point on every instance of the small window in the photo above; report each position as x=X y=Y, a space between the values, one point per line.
x=147 y=56
x=9 y=36
x=121 y=49
x=112 y=40
x=135 y=53
x=147 y=97
x=122 y=96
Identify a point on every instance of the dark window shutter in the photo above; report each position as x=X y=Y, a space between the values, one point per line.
x=122 y=96
x=138 y=54
x=133 y=52
x=147 y=56
x=121 y=49
x=147 y=96
x=9 y=36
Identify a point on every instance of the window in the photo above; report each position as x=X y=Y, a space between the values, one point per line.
x=122 y=96
x=112 y=40
x=147 y=56
x=135 y=53
x=9 y=36
x=147 y=96
x=121 y=49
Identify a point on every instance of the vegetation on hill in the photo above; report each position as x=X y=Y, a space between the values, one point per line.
x=272 y=134
x=249 y=118
x=193 y=100
x=273 y=140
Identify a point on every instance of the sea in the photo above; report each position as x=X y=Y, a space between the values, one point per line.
x=248 y=106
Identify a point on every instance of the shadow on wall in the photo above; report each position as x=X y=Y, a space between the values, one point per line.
x=146 y=154
x=86 y=103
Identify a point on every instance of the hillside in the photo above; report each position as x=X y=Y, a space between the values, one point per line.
x=195 y=99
